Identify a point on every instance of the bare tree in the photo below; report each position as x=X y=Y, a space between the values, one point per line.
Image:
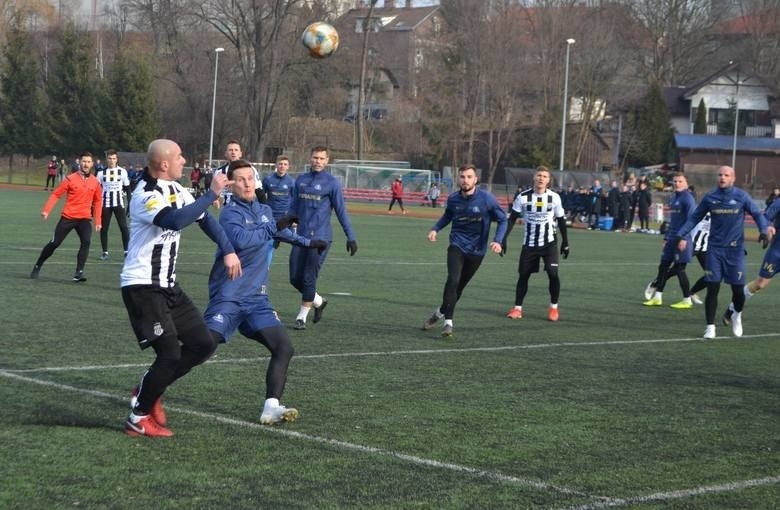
x=762 y=41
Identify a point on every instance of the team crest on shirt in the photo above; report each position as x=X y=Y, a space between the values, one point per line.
x=317 y=187
x=732 y=202
x=264 y=219
x=475 y=209
x=157 y=328
x=219 y=318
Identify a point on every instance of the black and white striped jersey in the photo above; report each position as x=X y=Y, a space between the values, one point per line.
x=540 y=213
x=701 y=234
x=152 y=251
x=113 y=180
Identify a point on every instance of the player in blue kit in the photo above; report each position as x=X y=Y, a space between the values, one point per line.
x=242 y=304
x=771 y=262
x=317 y=194
x=727 y=206
x=471 y=211
x=279 y=188
x=673 y=260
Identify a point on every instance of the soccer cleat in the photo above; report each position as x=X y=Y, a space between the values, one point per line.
x=696 y=299
x=650 y=290
x=278 y=414
x=146 y=426
x=104 y=256
x=299 y=324
x=446 y=331
x=514 y=313
x=681 y=305
x=552 y=314
x=318 y=311
x=432 y=320
x=736 y=324
x=727 y=316
x=653 y=302
x=79 y=277
x=157 y=412
x=36 y=270
x=710 y=331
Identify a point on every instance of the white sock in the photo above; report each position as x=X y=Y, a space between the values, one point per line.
x=687 y=300
x=317 y=302
x=658 y=295
x=438 y=313
x=448 y=322
x=303 y=313
x=554 y=306
x=747 y=292
x=135 y=418
x=519 y=307
x=731 y=307
x=271 y=403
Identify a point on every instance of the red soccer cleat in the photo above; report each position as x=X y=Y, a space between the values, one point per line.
x=146 y=426
x=157 y=412
x=552 y=314
x=514 y=313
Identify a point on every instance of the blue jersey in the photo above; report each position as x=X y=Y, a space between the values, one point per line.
x=771 y=215
x=248 y=226
x=316 y=194
x=727 y=208
x=681 y=206
x=280 y=190
x=471 y=216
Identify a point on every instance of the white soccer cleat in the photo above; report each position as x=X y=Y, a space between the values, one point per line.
x=696 y=299
x=736 y=324
x=649 y=291
x=710 y=331
x=278 y=414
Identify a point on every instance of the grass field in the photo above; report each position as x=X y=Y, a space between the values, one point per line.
x=616 y=405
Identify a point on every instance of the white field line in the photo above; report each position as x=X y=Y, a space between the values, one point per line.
x=403 y=353
x=659 y=497
x=491 y=475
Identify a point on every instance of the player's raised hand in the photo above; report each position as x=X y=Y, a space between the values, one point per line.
x=219 y=182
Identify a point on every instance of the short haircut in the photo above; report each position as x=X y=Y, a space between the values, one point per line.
x=468 y=166
x=86 y=155
x=235 y=165
x=320 y=148
x=680 y=174
x=110 y=152
x=282 y=158
x=231 y=142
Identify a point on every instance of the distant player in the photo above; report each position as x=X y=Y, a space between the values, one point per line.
x=542 y=211
x=242 y=304
x=770 y=264
x=233 y=152
x=161 y=314
x=727 y=206
x=280 y=189
x=82 y=203
x=116 y=183
x=471 y=211
x=674 y=261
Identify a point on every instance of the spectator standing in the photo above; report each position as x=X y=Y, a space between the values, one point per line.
x=642 y=201
x=51 y=173
x=195 y=180
x=772 y=196
x=397 y=190
x=433 y=195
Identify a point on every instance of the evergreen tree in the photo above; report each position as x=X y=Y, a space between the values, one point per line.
x=700 y=124
x=75 y=96
x=131 y=110
x=651 y=134
x=20 y=98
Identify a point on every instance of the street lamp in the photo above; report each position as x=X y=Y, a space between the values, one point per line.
x=736 y=125
x=569 y=42
x=214 y=103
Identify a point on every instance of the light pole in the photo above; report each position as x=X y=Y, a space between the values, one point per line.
x=736 y=126
x=217 y=51
x=569 y=42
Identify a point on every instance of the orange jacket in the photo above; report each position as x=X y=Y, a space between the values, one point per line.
x=84 y=200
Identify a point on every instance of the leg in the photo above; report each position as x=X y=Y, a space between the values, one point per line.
x=84 y=231
x=278 y=343
x=455 y=261
x=521 y=289
x=106 y=220
x=121 y=221
x=470 y=266
x=711 y=301
x=61 y=231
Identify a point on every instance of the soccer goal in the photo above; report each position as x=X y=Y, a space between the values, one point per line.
x=381 y=178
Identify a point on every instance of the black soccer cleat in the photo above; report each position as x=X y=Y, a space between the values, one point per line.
x=727 y=316
x=36 y=270
x=79 y=277
x=299 y=324
x=318 y=311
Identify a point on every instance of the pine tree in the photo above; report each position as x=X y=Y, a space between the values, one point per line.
x=131 y=110
x=700 y=124
x=20 y=97
x=651 y=132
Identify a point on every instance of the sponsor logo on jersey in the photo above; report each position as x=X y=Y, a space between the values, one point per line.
x=158 y=329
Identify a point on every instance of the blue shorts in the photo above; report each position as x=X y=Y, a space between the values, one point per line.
x=771 y=262
x=670 y=253
x=725 y=264
x=248 y=318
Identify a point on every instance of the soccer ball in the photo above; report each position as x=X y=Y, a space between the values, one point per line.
x=321 y=39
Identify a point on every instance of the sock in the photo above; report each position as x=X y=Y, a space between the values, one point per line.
x=271 y=403
x=302 y=313
x=135 y=418
x=554 y=306
x=731 y=308
x=317 y=301
x=658 y=295
x=519 y=307
x=448 y=322
x=687 y=300
x=438 y=313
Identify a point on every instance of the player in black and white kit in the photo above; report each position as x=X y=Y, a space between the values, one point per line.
x=542 y=211
x=233 y=152
x=116 y=183
x=161 y=314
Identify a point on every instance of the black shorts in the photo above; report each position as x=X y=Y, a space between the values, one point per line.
x=529 y=258
x=157 y=311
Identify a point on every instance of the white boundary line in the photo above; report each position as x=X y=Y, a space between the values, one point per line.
x=404 y=352
x=491 y=475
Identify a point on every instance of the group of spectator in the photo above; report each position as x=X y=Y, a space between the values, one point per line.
x=623 y=202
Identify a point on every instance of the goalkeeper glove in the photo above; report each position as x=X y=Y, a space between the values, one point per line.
x=764 y=240
x=351 y=248
x=319 y=244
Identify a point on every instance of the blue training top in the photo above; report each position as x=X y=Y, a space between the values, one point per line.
x=280 y=190
x=727 y=208
x=471 y=216
x=681 y=207
x=316 y=193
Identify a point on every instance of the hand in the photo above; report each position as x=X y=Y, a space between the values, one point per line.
x=432 y=236
x=764 y=240
x=565 y=250
x=320 y=245
x=496 y=248
x=682 y=244
x=351 y=248
x=286 y=221
x=219 y=182
x=233 y=266
x=216 y=203
x=44 y=215
x=98 y=228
